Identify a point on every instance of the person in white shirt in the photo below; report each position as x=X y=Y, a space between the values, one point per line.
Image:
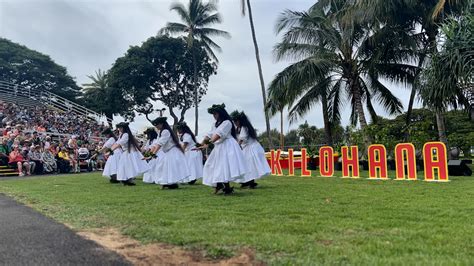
x=172 y=167
x=131 y=162
x=193 y=156
x=111 y=165
x=226 y=163
x=152 y=140
x=254 y=153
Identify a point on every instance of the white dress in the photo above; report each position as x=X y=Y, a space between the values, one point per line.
x=171 y=167
x=148 y=176
x=255 y=155
x=226 y=163
x=112 y=163
x=193 y=158
x=131 y=164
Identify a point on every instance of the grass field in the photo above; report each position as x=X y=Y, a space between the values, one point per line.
x=288 y=220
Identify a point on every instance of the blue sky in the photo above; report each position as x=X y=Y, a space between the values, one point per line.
x=85 y=35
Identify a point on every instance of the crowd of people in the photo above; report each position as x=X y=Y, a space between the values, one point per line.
x=38 y=140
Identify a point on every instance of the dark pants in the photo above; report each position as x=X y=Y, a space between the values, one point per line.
x=38 y=168
x=63 y=166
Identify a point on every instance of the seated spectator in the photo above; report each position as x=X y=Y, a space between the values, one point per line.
x=49 y=162
x=36 y=156
x=64 y=162
x=26 y=156
x=4 y=152
x=16 y=159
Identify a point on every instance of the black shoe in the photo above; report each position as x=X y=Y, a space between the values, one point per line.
x=192 y=182
x=228 y=190
x=173 y=186
x=113 y=181
x=128 y=183
x=253 y=185
x=244 y=185
x=218 y=188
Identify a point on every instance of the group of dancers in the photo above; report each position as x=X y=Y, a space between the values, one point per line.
x=169 y=160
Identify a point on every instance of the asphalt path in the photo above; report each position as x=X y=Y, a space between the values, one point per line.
x=29 y=238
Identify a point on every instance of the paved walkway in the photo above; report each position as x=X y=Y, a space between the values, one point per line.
x=29 y=238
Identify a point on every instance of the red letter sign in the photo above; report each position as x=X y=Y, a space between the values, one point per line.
x=352 y=162
x=291 y=163
x=326 y=161
x=377 y=162
x=434 y=155
x=275 y=162
x=405 y=152
x=304 y=163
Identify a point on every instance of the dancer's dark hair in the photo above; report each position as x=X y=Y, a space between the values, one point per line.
x=245 y=122
x=151 y=135
x=185 y=129
x=132 y=141
x=173 y=135
x=223 y=116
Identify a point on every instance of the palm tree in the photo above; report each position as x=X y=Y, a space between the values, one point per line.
x=337 y=60
x=245 y=5
x=448 y=80
x=197 y=17
x=428 y=15
x=99 y=89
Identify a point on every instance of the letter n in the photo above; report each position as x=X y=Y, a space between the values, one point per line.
x=405 y=155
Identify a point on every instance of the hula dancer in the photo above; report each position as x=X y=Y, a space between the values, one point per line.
x=193 y=156
x=171 y=168
x=226 y=163
x=253 y=151
x=152 y=139
x=111 y=166
x=131 y=162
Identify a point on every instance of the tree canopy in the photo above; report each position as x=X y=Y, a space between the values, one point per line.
x=161 y=69
x=23 y=66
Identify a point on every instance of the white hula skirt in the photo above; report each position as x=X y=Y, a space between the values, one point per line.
x=131 y=165
x=194 y=161
x=171 y=168
x=226 y=163
x=153 y=163
x=256 y=162
x=111 y=166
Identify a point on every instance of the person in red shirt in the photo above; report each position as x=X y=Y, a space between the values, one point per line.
x=17 y=160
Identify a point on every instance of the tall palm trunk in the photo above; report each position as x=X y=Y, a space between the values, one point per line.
x=441 y=127
x=282 y=136
x=260 y=73
x=327 y=123
x=360 y=113
x=196 y=97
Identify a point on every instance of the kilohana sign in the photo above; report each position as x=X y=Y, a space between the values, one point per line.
x=435 y=162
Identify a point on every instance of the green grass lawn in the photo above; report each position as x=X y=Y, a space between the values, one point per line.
x=288 y=220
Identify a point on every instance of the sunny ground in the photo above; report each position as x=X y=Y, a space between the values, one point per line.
x=287 y=220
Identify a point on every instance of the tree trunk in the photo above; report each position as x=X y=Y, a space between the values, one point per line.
x=260 y=73
x=360 y=113
x=196 y=89
x=282 y=135
x=441 y=127
x=327 y=123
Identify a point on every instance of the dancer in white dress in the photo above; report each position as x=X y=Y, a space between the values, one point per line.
x=131 y=162
x=226 y=163
x=172 y=167
x=193 y=156
x=110 y=169
x=152 y=140
x=254 y=153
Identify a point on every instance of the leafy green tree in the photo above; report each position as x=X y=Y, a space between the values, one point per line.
x=23 y=66
x=197 y=17
x=292 y=139
x=263 y=138
x=337 y=59
x=104 y=99
x=162 y=69
x=247 y=7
